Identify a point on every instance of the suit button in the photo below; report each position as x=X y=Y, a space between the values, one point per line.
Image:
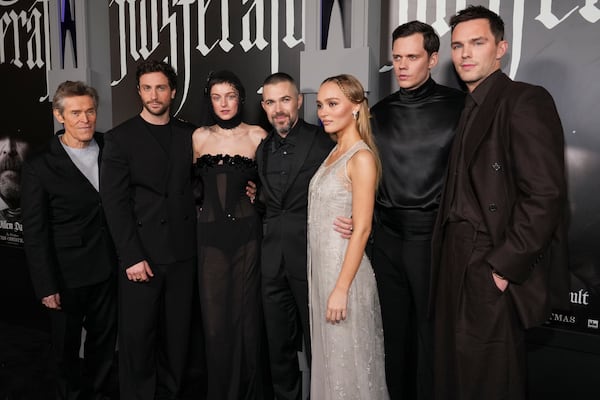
x=166 y=195
x=162 y=221
x=492 y=207
x=139 y=223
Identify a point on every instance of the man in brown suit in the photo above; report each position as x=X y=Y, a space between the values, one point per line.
x=500 y=229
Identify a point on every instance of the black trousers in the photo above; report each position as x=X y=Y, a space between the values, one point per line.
x=285 y=305
x=479 y=342
x=401 y=262
x=154 y=328
x=94 y=308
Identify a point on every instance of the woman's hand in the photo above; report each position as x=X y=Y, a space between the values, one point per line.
x=337 y=306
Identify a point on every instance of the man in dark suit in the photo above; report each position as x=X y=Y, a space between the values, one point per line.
x=501 y=227
x=146 y=191
x=68 y=247
x=287 y=160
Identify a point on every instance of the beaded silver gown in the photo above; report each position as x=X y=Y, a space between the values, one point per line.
x=347 y=358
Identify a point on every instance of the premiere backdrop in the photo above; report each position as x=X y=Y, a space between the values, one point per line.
x=555 y=44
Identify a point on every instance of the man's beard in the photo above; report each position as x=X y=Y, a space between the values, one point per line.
x=10 y=188
x=162 y=111
x=286 y=128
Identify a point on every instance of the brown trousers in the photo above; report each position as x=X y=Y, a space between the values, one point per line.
x=479 y=343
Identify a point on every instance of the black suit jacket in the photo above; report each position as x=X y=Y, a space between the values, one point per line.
x=67 y=242
x=514 y=155
x=284 y=223
x=146 y=192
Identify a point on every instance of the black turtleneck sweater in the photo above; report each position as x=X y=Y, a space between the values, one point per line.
x=414 y=131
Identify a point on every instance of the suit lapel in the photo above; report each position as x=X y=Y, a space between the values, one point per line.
x=261 y=159
x=304 y=140
x=484 y=118
x=67 y=165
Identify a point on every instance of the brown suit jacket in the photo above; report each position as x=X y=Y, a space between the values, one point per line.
x=514 y=152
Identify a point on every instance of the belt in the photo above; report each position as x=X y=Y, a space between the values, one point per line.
x=407 y=224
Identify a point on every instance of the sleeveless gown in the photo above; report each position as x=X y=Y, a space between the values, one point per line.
x=348 y=358
x=228 y=232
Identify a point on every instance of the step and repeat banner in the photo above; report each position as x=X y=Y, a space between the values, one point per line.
x=25 y=112
x=555 y=44
x=250 y=38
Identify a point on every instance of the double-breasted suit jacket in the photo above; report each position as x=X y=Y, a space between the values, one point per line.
x=146 y=191
x=284 y=224
x=145 y=183
x=514 y=158
x=67 y=241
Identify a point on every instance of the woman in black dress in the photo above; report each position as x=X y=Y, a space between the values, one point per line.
x=229 y=232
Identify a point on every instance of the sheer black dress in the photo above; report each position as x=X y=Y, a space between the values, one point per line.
x=228 y=230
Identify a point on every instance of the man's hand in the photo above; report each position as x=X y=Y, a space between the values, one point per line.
x=52 y=301
x=251 y=191
x=343 y=226
x=140 y=272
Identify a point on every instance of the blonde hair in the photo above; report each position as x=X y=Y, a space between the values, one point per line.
x=354 y=91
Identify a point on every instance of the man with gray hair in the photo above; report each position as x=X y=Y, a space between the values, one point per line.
x=69 y=250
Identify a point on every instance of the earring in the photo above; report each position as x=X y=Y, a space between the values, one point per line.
x=355 y=114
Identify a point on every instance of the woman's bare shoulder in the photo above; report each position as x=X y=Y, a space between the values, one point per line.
x=201 y=133
x=256 y=133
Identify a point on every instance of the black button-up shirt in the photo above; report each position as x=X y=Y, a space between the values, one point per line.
x=280 y=160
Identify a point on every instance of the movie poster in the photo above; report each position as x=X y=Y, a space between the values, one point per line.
x=26 y=110
x=250 y=38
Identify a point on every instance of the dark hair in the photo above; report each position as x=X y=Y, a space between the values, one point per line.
x=279 y=77
x=72 y=89
x=479 y=12
x=148 y=66
x=225 y=77
x=431 y=40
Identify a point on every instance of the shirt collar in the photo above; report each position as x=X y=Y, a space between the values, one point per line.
x=419 y=93
x=292 y=136
x=482 y=90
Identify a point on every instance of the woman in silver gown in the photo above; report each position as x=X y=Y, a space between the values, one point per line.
x=345 y=318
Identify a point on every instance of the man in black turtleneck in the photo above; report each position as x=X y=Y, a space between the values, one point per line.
x=414 y=128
